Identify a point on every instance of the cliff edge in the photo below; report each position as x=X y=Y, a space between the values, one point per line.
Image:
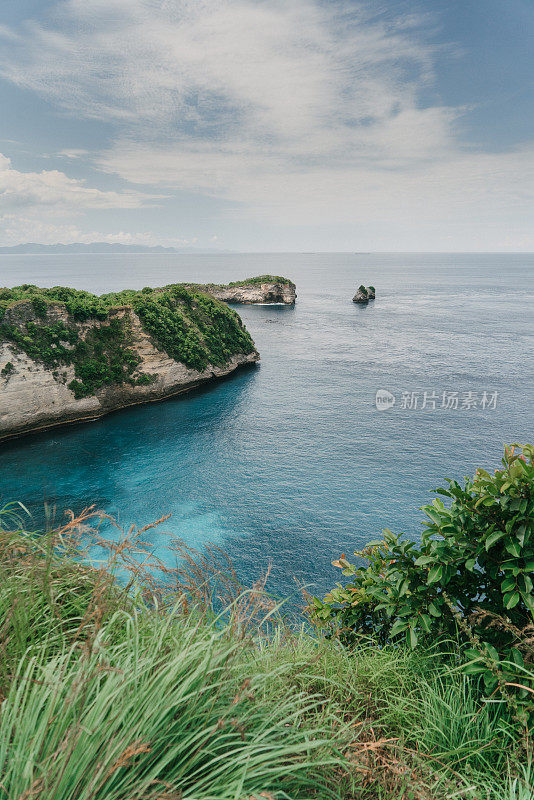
x=68 y=355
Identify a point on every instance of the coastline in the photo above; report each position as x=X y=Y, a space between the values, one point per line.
x=68 y=356
x=216 y=374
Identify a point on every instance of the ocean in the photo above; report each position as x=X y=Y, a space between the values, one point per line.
x=291 y=463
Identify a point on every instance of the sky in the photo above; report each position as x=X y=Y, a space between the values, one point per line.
x=269 y=125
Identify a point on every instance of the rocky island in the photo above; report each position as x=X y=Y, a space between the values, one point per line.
x=259 y=290
x=70 y=356
x=364 y=294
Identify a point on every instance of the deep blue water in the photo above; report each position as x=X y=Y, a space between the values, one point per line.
x=291 y=462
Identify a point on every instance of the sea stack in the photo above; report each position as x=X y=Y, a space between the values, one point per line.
x=364 y=294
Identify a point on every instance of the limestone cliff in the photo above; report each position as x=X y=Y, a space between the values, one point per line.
x=69 y=356
x=262 y=289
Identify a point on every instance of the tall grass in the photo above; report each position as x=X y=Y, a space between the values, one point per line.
x=162 y=710
x=106 y=696
x=181 y=685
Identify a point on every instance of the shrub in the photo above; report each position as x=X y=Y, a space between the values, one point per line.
x=102 y=357
x=7 y=370
x=118 y=684
x=472 y=571
x=39 y=306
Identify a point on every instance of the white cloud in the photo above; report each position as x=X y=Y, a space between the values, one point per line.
x=79 y=153
x=32 y=202
x=298 y=111
x=16 y=229
x=54 y=189
x=289 y=78
x=280 y=67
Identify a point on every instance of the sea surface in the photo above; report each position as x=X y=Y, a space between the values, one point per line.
x=291 y=463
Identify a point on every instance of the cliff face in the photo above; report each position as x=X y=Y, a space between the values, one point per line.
x=263 y=289
x=56 y=368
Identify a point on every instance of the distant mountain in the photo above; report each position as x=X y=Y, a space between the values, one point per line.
x=32 y=248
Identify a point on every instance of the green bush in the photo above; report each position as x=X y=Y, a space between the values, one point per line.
x=39 y=306
x=102 y=357
x=7 y=370
x=51 y=344
x=189 y=325
x=471 y=571
x=81 y=305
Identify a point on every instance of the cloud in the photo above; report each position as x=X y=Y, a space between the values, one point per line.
x=32 y=202
x=298 y=112
x=280 y=67
x=16 y=229
x=289 y=79
x=79 y=153
x=53 y=189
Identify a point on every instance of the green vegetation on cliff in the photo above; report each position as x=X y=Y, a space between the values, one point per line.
x=80 y=305
x=263 y=279
x=187 y=324
x=255 y=281
x=100 y=357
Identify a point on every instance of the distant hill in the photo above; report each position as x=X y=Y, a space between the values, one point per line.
x=33 y=248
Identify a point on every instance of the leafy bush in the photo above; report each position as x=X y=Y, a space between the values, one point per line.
x=472 y=571
x=80 y=304
x=39 y=306
x=51 y=344
x=101 y=357
x=104 y=358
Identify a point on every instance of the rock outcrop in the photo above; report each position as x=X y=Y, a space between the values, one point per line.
x=364 y=294
x=263 y=289
x=63 y=362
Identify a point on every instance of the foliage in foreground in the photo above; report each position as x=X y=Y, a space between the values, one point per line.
x=471 y=572
x=139 y=689
x=106 y=696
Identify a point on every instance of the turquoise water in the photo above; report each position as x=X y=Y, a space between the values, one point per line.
x=291 y=462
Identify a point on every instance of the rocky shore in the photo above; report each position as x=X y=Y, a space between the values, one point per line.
x=77 y=359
